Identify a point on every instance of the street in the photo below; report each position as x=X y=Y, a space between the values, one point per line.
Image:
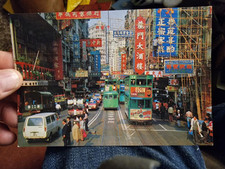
x=113 y=129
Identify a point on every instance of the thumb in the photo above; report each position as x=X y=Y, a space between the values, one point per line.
x=10 y=81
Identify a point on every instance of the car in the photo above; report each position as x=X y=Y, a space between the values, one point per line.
x=75 y=111
x=41 y=126
x=97 y=97
x=92 y=105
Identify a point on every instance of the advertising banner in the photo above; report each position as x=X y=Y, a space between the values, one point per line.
x=140 y=45
x=179 y=66
x=140 y=114
x=172 y=88
x=81 y=73
x=155 y=73
x=78 y=15
x=141 y=92
x=166 y=29
x=173 y=82
x=97 y=60
x=92 y=42
x=123 y=61
x=84 y=51
x=64 y=24
x=58 y=59
x=123 y=33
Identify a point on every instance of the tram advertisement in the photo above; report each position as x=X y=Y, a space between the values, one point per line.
x=140 y=114
x=141 y=92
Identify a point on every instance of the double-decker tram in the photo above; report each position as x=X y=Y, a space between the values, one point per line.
x=138 y=98
x=110 y=85
x=121 y=91
x=110 y=100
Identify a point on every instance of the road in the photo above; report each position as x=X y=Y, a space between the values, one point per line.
x=113 y=129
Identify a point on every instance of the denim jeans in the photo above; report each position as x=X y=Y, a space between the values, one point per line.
x=172 y=157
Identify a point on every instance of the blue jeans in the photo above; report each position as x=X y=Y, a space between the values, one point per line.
x=172 y=157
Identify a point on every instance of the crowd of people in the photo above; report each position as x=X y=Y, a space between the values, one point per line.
x=200 y=130
x=77 y=125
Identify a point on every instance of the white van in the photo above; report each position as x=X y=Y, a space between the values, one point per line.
x=41 y=126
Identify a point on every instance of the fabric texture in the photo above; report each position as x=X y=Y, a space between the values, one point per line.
x=170 y=157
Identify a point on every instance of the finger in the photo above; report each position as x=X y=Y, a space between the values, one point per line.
x=8 y=114
x=6 y=60
x=11 y=80
x=7 y=137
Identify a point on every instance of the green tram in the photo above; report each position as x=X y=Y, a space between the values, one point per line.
x=121 y=91
x=110 y=100
x=138 y=98
x=110 y=85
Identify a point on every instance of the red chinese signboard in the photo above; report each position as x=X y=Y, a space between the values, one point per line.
x=92 y=42
x=154 y=73
x=78 y=15
x=58 y=59
x=141 y=92
x=64 y=24
x=140 y=45
x=123 y=62
x=173 y=82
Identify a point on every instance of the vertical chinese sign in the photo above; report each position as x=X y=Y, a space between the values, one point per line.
x=76 y=54
x=58 y=59
x=140 y=45
x=84 y=51
x=123 y=61
x=166 y=29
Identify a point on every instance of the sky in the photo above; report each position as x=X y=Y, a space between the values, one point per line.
x=116 y=19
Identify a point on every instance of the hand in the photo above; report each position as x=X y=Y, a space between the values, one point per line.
x=10 y=81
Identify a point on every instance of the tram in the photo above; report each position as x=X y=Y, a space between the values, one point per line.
x=32 y=102
x=138 y=98
x=110 y=85
x=121 y=91
x=110 y=100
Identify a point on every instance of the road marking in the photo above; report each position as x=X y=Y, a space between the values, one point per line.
x=111 y=118
x=156 y=130
x=132 y=133
x=162 y=127
x=94 y=118
x=110 y=121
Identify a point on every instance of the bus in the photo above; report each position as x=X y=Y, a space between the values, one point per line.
x=110 y=85
x=110 y=100
x=121 y=91
x=31 y=102
x=61 y=99
x=138 y=98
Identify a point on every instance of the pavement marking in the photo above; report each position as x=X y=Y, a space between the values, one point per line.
x=162 y=127
x=111 y=118
x=110 y=121
x=156 y=130
x=94 y=118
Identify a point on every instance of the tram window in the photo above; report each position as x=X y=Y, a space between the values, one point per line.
x=141 y=82
x=106 y=96
x=149 y=82
x=147 y=103
x=141 y=103
x=133 y=103
x=110 y=96
x=48 y=119
x=115 y=96
x=132 y=81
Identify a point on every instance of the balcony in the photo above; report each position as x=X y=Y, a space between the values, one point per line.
x=38 y=73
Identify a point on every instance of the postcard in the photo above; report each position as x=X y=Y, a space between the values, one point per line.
x=114 y=78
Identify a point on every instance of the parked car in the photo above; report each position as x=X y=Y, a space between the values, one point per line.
x=41 y=126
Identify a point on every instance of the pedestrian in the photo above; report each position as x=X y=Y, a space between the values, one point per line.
x=178 y=117
x=58 y=108
x=64 y=132
x=82 y=128
x=210 y=127
x=196 y=129
x=189 y=116
x=155 y=46
x=163 y=111
x=76 y=132
x=205 y=131
x=170 y=112
x=86 y=120
x=157 y=108
x=69 y=129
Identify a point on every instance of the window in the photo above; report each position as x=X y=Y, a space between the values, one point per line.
x=115 y=96
x=53 y=118
x=35 y=122
x=147 y=103
x=133 y=103
x=48 y=119
x=110 y=96
x=149 y=81
x=141 y=82
x=141 y=104
x=132 y=81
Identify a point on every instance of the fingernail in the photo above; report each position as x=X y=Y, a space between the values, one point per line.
x=9 y=80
